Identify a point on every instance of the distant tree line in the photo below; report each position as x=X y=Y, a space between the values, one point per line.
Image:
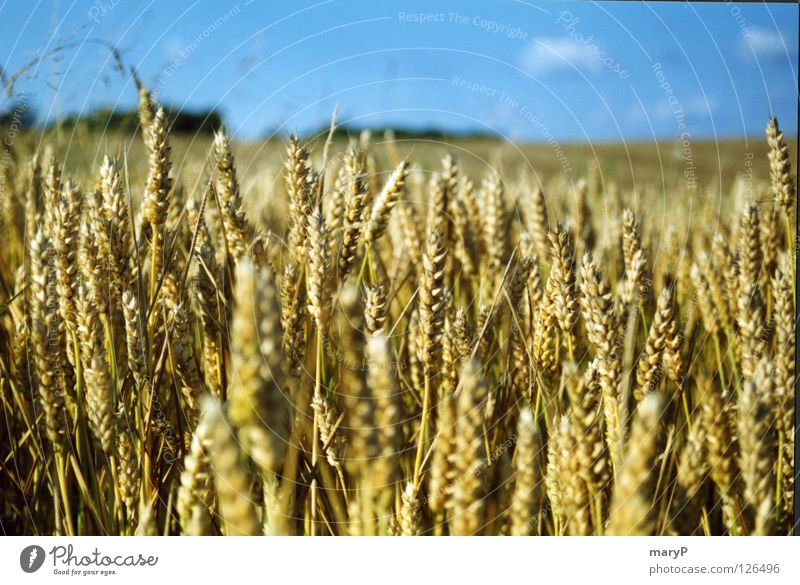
x=107 y=119
x=181 y=121
x=186 y=121
x=402 y=133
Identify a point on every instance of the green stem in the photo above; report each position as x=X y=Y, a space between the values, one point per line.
x=154 y=265
x=779 y=476
x=790 y=247
x=426 y=398
x=62 y=483
x=315 y=437
x=720 y=367
x=363 y=267
x=570 y=350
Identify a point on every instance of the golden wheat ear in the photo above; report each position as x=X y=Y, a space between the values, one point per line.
x=259 y=394
x=239 y=515
x=780 y=168
x=633 y=506
x=469 y=512
x=529 y=478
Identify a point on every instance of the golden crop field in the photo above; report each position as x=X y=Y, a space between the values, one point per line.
x=395 y=337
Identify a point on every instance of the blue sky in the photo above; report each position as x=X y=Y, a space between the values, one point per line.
x=525 y=69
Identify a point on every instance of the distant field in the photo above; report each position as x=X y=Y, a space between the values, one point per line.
x=715 y=165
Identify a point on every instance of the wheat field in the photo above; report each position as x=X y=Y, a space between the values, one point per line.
x=354 y=342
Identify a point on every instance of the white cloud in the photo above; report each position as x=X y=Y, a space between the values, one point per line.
x=557 y=54
x=173 y=47
x=663 y=114
x=701 y=106
x=767 y=44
